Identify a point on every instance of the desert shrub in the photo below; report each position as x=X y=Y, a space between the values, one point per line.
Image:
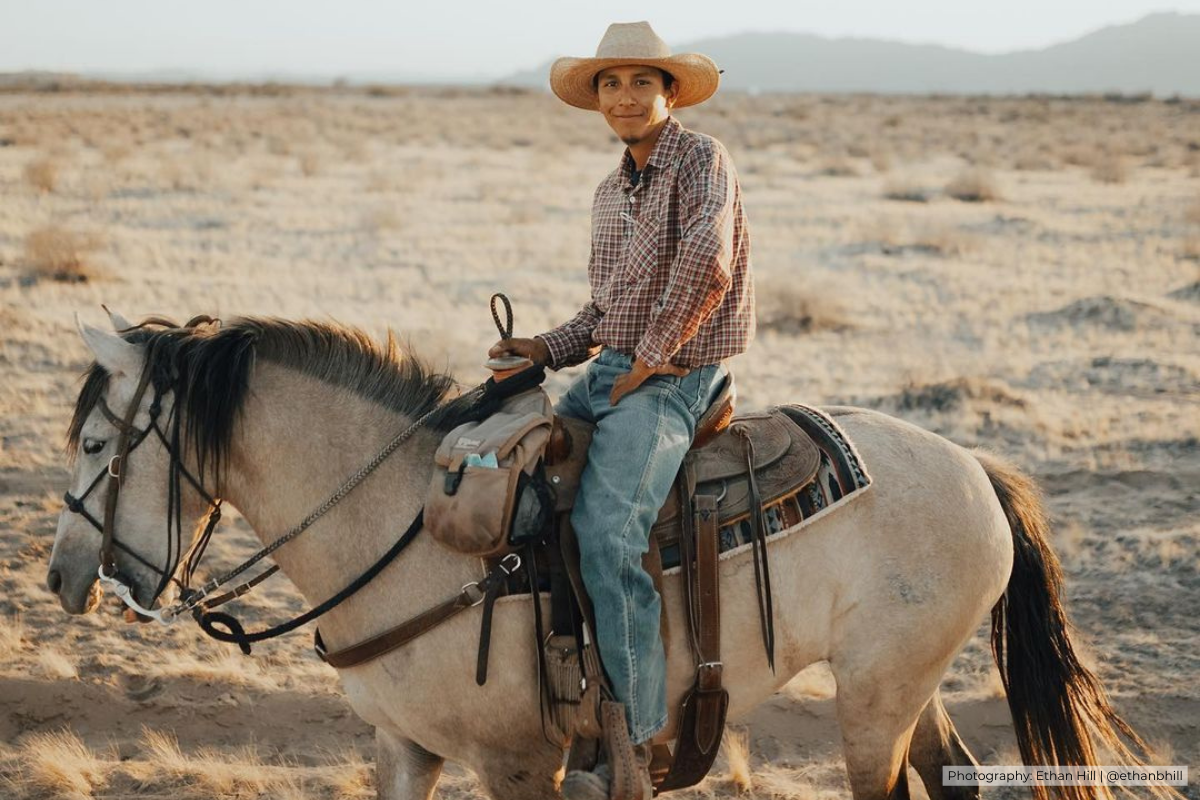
x=1035 y=161
x=42 y=174
x=789 y=307
x=310 y=164
x=1110 y=169
x=1192 y=213
x=1191 y=248
x=61 y=255
x=974 y=186
x=838 y=167
x=906 y=190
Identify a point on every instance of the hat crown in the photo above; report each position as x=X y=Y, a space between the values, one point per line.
x=632 y=40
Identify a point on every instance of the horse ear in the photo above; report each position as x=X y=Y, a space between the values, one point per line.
x=112 y=352
x=119 y=323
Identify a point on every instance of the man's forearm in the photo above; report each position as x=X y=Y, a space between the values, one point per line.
x=571 y=342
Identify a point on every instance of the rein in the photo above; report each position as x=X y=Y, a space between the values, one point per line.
x=483 y=399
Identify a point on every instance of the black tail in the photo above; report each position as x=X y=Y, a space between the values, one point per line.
x=1059 y=709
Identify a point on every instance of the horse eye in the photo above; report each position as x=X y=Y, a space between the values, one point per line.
x=93 y=446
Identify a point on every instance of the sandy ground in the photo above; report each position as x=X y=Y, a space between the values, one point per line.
x=1055 y=322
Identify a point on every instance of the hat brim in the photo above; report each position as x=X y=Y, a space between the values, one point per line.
x=697 y=76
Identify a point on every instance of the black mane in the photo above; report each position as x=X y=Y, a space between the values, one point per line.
x=208 y=371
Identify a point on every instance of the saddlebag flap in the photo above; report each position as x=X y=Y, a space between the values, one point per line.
x=483 y=475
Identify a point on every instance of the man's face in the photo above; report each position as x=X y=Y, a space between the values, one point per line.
x=634 y=101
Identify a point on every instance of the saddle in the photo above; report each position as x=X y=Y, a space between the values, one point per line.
x=740 y=471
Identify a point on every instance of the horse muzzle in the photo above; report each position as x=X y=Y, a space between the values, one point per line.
x=75 y=596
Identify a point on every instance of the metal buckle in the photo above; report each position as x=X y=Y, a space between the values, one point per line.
x=474 y=593
x=510 y=570
x=113 y=472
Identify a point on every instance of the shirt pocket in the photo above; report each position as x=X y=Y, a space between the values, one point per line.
x=645 y=245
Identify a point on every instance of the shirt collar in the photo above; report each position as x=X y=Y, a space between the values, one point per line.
x=663 y=152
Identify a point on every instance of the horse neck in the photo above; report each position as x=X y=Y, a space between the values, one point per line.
x=297 y=442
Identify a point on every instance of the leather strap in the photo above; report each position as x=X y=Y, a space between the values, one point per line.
x=485 y=632
x=116 y=472
x=702 y=716
x=471 y=595
x=762 y=569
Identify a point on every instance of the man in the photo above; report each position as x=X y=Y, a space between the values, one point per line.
x=672 y=297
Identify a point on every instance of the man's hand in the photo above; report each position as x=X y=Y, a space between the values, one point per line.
x=624 y=384
x=533 y=349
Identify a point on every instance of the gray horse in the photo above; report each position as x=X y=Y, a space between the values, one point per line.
x=274 y=415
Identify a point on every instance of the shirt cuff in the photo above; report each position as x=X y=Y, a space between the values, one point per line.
x=559 y=344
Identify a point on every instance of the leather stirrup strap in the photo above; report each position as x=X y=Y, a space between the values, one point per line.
x=702 y=718
x=762 y=569
x=687 y=553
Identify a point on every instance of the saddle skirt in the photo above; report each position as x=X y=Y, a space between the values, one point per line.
x=803 y=463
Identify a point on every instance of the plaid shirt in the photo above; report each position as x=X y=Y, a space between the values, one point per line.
x=670 y=263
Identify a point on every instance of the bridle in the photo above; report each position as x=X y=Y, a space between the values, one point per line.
x=129 y=439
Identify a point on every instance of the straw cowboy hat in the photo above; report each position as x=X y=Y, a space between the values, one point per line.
x=627 y=43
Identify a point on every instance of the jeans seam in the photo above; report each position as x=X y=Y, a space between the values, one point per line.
x=627 y=569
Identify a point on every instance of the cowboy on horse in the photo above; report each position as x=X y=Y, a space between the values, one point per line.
x=672 y=297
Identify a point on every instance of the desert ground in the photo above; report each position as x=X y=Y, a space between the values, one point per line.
x=1021 y=274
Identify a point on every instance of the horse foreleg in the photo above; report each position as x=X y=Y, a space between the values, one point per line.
x=404 y=770
x=936 y=744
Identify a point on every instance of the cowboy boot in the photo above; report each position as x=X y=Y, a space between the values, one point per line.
x=597 y=785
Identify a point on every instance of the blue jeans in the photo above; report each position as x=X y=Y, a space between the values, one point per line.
x=633 y=459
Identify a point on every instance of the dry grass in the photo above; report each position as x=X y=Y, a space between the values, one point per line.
x=54 y=664
x=736 y=747
x=60 y=765
x=226 y=665
x=61 y=254
x=12 y=636
x=975 y=185
x=42 y=174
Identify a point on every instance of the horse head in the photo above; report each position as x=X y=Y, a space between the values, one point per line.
x=127 y=509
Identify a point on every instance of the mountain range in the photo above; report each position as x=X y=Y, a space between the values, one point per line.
x=1159 y=53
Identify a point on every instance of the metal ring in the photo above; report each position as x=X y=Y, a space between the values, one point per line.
x=474 y=585
x=112 y=473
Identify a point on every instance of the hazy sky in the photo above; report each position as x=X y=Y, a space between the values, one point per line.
x=486 y=38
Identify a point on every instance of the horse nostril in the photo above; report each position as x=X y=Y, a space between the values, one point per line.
x=54 y=580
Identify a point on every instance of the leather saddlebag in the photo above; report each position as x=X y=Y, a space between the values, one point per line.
x=487 y=495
